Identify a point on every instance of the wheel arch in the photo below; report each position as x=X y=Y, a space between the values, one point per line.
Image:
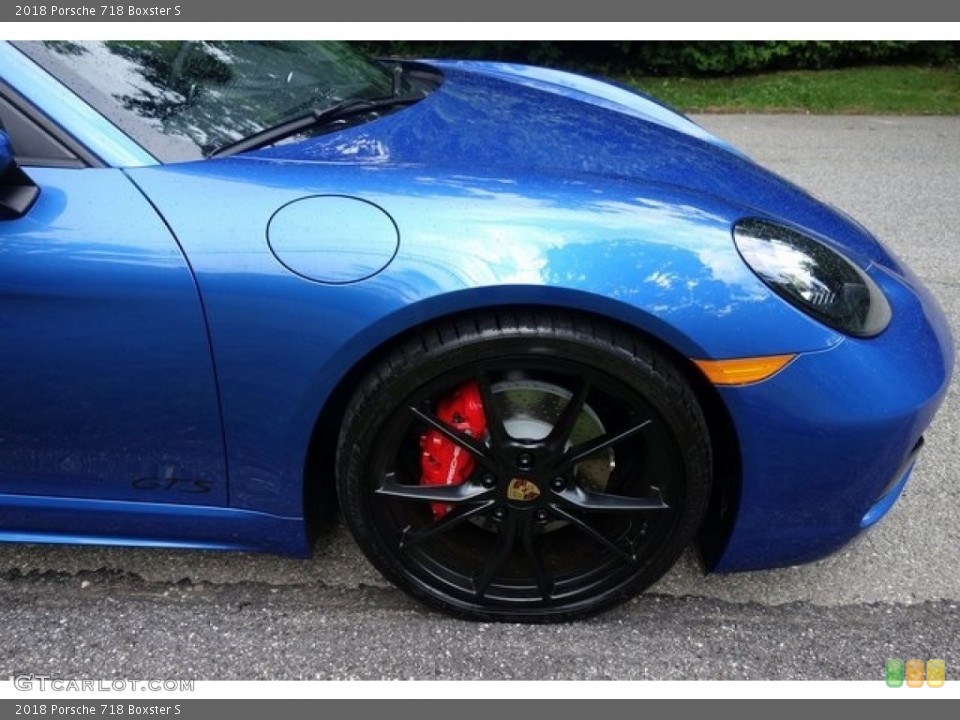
x=320 y=500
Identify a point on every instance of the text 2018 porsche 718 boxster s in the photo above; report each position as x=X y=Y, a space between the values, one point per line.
x=532 y=333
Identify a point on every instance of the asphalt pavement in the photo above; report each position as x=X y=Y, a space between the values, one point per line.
x=895 y=592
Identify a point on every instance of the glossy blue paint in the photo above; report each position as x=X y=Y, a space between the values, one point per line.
x=308 y=236
x=591 y=91
x=514 y=123
x=822 y=439
x=644 y=255
x=101 y=137
x=604 y=248
x=205 y=344
x=68 y=521
x=106 y=377
x=885 y=504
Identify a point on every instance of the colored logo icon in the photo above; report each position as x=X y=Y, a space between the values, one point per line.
x=914 y=673
x=936 y=673
x=894 y=673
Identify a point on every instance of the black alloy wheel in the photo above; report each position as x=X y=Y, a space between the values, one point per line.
x=589 y=478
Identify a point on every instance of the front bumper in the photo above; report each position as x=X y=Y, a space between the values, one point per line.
x=828 y=444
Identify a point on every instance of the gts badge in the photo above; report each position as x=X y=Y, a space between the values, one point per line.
x=173 y=485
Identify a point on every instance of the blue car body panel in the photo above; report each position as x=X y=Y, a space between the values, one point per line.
x=105 y=368
x=68 y=521
x=282 y=348
x=262 y=281
x=485 y=119
x=824 y=439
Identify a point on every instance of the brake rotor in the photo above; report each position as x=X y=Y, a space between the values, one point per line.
x=531 y=408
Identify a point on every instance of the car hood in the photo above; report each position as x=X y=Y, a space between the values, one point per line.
x=519 y=123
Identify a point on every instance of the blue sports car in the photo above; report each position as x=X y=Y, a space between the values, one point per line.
x=531 y=333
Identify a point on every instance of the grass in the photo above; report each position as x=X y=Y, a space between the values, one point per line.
x=868 y=91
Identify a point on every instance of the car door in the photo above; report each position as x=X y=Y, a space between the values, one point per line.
x=107 y=384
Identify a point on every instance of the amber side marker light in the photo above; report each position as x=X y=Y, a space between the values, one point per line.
x=743 y=371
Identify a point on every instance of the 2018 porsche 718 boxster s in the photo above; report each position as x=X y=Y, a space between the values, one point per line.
x=532 y=333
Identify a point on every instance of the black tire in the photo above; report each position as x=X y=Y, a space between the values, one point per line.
x=597 y=497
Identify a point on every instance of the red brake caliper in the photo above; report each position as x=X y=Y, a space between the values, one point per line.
x=443 y=461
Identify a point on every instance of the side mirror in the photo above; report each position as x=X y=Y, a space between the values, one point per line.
x=18 y=192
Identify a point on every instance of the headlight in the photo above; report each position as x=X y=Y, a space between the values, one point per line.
x=813 y=277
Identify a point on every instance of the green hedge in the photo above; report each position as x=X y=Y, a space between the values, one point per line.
x=701 y=58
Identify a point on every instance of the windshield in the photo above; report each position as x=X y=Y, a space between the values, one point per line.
x=180 y=100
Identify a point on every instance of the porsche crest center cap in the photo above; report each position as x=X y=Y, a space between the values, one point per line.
x=522 y=489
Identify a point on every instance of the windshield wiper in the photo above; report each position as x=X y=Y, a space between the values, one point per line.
x=313 y=119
